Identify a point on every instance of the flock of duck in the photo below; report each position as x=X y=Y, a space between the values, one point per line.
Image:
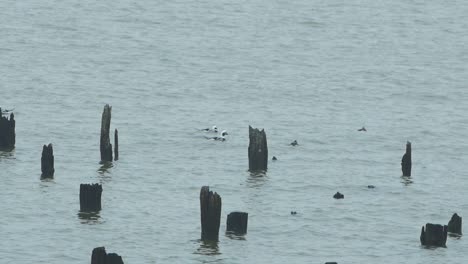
x=214 y=129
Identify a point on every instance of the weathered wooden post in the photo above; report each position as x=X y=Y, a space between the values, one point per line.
x=47 y=162
x=106 y=146
x=237 y=223
x=258 y=150
x=338 y=195
x=406 y=161
x=116 y=144
x=455 y=224
x=99 y=256
x=434 y=235
x=90 y=197
x=7 y=131
x=210 y=208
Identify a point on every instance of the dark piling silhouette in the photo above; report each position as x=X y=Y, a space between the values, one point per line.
x=90 y=197
x=237 y=223
x=116 y=144
x=338 y=195
x=106 y=146
x=258 y=150
x=47 y=162
x=434 y=235
x=455 y=224
x=7 y=131
x=406 y=161
x=99 y=256
x=210 y=208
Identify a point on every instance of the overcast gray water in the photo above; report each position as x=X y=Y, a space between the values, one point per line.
x=306 y=70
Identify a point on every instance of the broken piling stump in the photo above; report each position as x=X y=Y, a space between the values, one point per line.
x=99 y=256
x=106 y=146
x=406 y=161
x=47 y=162
x=338 y=195
x=455 y=224
x=90 y=197
x=7 y=131
x=434 y=235
x=258 y=150
x=237 y=223
x=210 y=208
x=116 y=144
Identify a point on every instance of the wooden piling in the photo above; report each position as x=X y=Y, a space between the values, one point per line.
x=99 y=256
x=210 y=208
x=258 y=150
x=7 y=131
x=106 y=146
x=455 y=224
x=47 y=162
x=406 y=161
x=116 y=144
x=237 y=223
x=434 y=235
x=90 y=197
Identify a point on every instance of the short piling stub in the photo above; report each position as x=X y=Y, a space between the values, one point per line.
x=7 y=131
x=105 y=145
x=47 y=162
x=455 y=224
x=434 y=235
x=116 y=144
x=90 y=197
x=258 y=150
x=406 y=161
x=210 y=212
x=236 y=223
x=99 y=256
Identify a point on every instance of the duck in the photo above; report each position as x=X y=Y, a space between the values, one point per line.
x=212 y=129
x=221 y=136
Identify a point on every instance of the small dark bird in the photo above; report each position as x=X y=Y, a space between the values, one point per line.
x=362 y=129
x=370 y=186
x=293 y=212
x=274 y=158
x=294 y=143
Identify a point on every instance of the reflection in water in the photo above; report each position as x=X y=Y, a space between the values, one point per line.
x=46 y=180
x=89 y=217
x=7 y=153
x=233 y=236
x=454 y=235
x=208 y=248
x=256 y=179
x=105 y=166
x=406 y=180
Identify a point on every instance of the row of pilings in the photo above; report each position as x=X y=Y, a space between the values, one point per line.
x=210 y=203
x=47 y=158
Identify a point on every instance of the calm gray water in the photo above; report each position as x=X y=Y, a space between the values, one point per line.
x=314 y=71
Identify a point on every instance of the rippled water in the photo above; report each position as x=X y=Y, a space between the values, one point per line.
x=314 y=71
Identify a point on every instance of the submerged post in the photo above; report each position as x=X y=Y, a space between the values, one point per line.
x=210 y=208
x=237 y=223
x=406 y=161
x=116 y=144
x=258 y=150
x=90 y=197
x=99 y=256
x=455 y=224
x=434 y=235
x=47 y=162
x=7 y=131
x=106 y=146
